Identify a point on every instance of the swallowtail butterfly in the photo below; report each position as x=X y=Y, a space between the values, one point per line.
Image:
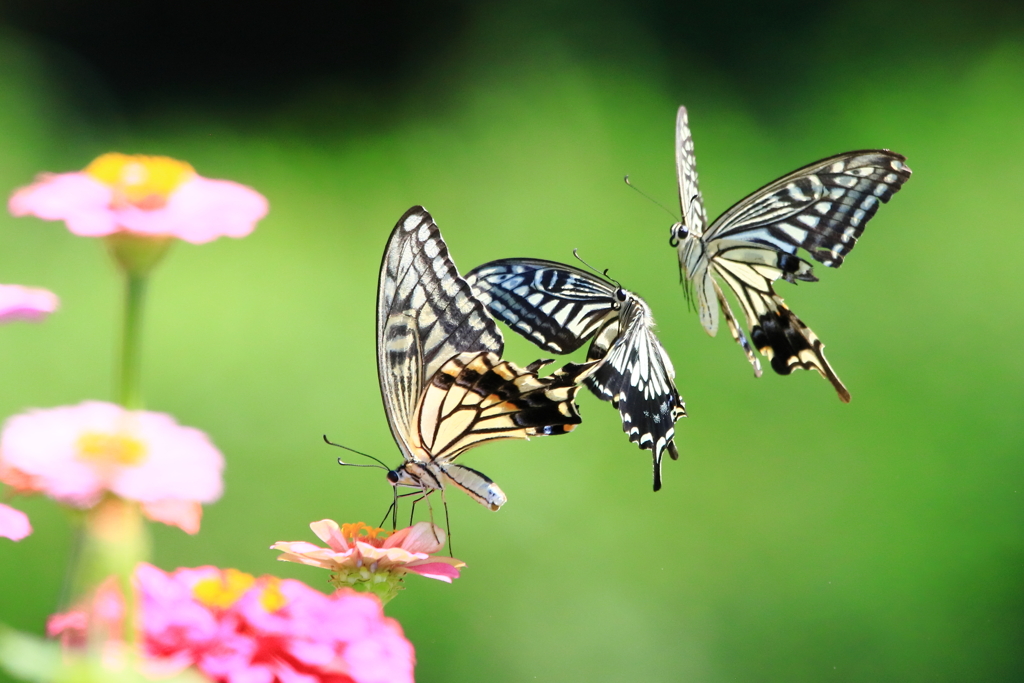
x=444 y=385
x=559 y=307
x=821 y=208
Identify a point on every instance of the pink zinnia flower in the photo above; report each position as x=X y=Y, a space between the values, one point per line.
x=236 y=628
x=26 y=303
x=76 y=454
x=145 y=195
x=14 y=524
x=368 y=559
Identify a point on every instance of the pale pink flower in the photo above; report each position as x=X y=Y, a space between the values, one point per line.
x=14 y=524
x=144 y=195
x=26 y=303
x=76 y=454
x=236 y=628
x=368 y=559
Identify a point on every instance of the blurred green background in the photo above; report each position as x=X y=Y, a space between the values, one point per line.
x=797 y=539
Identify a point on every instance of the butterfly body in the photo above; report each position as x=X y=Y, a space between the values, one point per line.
x=444 y=385
x=559 y=308
x=820 y=209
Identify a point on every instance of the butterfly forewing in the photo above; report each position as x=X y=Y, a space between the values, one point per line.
x=821 y=208
x=555 y=306
x=426 y=314
x=695 y=217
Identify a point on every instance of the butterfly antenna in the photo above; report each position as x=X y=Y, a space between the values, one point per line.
x=365 y=455
x=650 y=198
x=576 y=253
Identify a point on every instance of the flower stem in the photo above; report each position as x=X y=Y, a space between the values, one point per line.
x=136 y=256
x=116 y=540
x=130 y=379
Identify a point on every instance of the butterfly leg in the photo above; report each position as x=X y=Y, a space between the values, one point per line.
x=412 y=512
x=447 y=525
x=392 y=512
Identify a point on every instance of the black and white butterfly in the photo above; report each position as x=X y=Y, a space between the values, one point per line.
x=821 y=208
x=444 y=385
x=559 y=307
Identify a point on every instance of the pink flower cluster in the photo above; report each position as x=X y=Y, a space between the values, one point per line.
x=78 y=454
x=236 y=628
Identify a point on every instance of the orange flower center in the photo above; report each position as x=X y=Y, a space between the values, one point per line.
x=138 y=180
x=110 y=449
x=361 y=531
x=225 y=591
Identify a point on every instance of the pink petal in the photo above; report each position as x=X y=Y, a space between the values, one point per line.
x=76 y=621
x=79 y=200
x=26 y=303
x=394 y=555
x=383 y=657
x=422 y=537
x=435 y=570
x=14 y=524
x=296 y=547
x=184 y=514
x=200 y=210
x=328 y=531
x=181 y=463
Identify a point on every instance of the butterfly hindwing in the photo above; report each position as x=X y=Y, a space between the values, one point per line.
x=477 y=397
x=636 y=377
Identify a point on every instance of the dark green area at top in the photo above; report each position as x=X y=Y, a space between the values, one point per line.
x=260 y=55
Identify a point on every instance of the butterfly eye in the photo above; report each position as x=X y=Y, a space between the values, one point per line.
x=679 y=232
x=393 y=476
x=620 y=294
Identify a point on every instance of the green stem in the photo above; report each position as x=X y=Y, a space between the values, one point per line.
x=130 y=380
x=136 y=256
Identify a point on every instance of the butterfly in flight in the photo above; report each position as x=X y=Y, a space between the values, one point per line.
x=559 y=307
x=444 y=385
x=821 y=208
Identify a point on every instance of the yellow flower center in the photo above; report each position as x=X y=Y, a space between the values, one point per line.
x=271 y=598
x=225 y=591
x=361 y=531
x=111 y=449
x=138 y=180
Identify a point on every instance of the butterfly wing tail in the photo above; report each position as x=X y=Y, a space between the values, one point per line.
x=790 y=344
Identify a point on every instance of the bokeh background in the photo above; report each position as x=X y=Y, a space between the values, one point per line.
x=797 y=539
